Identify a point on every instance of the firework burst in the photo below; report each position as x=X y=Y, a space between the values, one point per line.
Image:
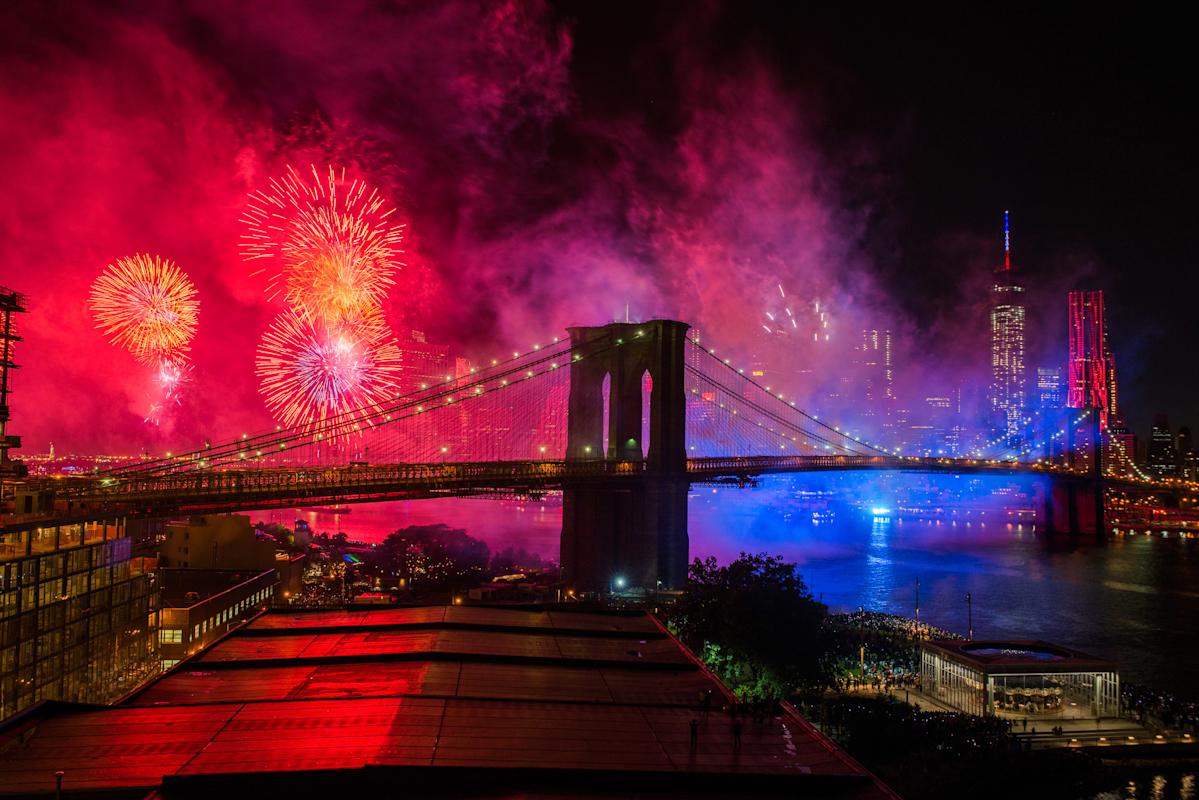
x=333 y=242
x=147 y=305
x=310 y=371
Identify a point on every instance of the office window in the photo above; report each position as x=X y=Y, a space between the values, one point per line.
x=170 y=636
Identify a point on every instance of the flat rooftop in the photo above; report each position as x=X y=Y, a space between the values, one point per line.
x=183 y=588
x=1023 y=655
x=445 y=700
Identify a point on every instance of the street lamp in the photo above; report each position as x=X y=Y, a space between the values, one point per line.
x=969 y=619
x=917 y=608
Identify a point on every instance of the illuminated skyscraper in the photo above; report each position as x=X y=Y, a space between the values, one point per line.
x=1091 y=384
x=1163 y=455
x=1051 y=390
x=878 y=371
x=1007 y=347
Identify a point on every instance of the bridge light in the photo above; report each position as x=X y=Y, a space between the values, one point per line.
x=445 y=449
x=259 y=452
x=168 y=454
x=587 y=448
x=542 y=448
x=555 y=340
x=243 y=436
x=494 y=362
x=424 y=386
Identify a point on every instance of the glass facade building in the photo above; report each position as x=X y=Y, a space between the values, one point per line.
x=1019 y=679
x=77 y=615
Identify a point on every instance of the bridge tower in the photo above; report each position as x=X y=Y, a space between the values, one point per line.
x=627 y=533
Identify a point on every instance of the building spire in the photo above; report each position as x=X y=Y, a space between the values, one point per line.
x=1007 y=243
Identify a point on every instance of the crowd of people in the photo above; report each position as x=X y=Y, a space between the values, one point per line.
x=873 y=650
x=1160 y=709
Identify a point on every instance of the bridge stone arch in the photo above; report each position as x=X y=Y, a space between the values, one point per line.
x=626 y=351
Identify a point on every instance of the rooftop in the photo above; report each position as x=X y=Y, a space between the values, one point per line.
x=183 y=588
x=450 y=699
x=1024 y=655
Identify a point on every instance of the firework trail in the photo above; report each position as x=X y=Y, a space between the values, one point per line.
x=310 y=371
x=334 y=245
x=785 y=321
x=147 y=305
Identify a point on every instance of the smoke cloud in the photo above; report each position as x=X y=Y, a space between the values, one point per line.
x=143 y=128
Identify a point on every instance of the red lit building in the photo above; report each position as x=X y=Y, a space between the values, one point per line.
x=1091 y=384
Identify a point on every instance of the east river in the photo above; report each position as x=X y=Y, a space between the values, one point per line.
x=864 y=540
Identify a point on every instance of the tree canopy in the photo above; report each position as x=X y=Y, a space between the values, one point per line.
x=755 y=623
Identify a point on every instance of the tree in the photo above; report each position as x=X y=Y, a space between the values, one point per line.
x=434 y=555
x=755 y=624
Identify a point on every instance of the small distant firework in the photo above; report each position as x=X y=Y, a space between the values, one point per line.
x=147 y=305
x=335 y=246
x=791 y=320
x=310 y=372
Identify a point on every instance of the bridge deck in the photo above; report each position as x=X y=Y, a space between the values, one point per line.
x=226 y=490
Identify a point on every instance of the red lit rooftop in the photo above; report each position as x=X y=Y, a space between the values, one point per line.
x=443 y=701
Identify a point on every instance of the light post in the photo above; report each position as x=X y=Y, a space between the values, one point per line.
x=862 y=639
x=917 y=608
x=969 y=619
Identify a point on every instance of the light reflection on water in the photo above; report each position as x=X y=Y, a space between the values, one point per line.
x=1133 y=600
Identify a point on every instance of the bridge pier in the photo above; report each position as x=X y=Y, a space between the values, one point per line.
x=1074 y=507
x=624 y=535
x=627 y=533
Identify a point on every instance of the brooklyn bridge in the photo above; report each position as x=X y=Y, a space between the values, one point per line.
x=622 y=419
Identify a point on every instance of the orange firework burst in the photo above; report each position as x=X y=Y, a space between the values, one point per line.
x=146 y=304
x=312 y=371
x=334 y=243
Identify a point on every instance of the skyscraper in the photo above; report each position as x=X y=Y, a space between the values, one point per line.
x=1163 y=457
x=878 y=371
x=1091 y=385
x=1007 y=393
x=1051 y=390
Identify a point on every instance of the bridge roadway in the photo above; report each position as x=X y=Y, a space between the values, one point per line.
x=223 y=490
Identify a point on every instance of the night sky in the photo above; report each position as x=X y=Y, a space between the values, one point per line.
x=554 y=162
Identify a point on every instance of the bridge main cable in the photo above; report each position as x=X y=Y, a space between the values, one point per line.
x=789 y=406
